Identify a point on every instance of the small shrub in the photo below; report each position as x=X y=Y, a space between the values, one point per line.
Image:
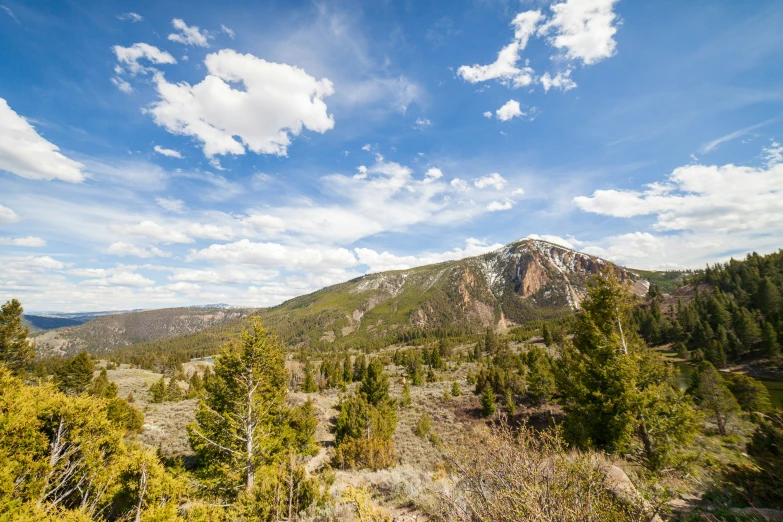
x=423 y=426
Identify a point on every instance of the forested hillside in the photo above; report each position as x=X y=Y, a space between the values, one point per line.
x=728 y=313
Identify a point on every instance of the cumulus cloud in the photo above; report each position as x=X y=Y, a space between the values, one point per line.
x=188 y=35
x=277 y=101
x=169 y=153
x=209 y=231
x=506 y=67
x=583 y=29
x=571 y=242
x=460 y=185
x=432 y=174
x=488 y=114
x=493 y=180
x=26 y=153
x=120 y=278
x=248 y=252
x=130 y=17
x=126 y=249
x=7 y=215
x=268 y=225
x=28 y=241
x=561 y=80
x=509 y=110
x=46 y=262
x=130 y=56
x=496 y=206
x=152 y=231
x=726 y=198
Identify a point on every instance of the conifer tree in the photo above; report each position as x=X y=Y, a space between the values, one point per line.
x=490 y=341
x=488 y=404
x=375 y=386
x=617 y=390
x=510 y=403
x=547 y=335
x=102 y=387
x=347 y=370
x=309 y=385
x=243 y=423
x=359 y=368
x=714 y=396
x=769 y=340
x=405 y=399
x=455 y=389
x=540 y=378
x=16 y=352
x=75 y=375
x=158 y=391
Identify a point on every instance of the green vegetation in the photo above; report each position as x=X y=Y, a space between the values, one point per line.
x=16 y=353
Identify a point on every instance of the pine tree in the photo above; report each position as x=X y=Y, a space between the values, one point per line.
x=547 y=335
x=405 y=399
x=309 y=385
x=617 y=390
x=243 y=423
x=540 y=378
x=375 y=386
x=714 y=396
x=490 y=341
x=158 y=391
x=102 y=387
x=456 y=391
x=359 y=368
x=347 y=370
x=768 y=299
x=173 y=391
x=510 y=403
x=769 y=340
x=488 y=405
x=75 y=375
x=16 y=352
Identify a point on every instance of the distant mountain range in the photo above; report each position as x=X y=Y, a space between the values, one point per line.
x=522 y=281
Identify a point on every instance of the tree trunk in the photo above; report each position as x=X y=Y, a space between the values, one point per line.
x=250 y=477
x=721 y=423
x=645 y=436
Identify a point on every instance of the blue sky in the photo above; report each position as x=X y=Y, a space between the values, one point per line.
x=176 y=153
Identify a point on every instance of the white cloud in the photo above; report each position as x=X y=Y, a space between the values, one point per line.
x=561 y=80
x=10 y=13
x=188 y=35
x=28 y=241
x=120 y=278
x=247 y=252
x=130 y=56
x=170 y=153
x=171 y=204
x=712 y=145
x=726 y=198
x=583 y=29
x=496 y=206
x=460 y=185
x=432 y=174
x=215 y=164
x=46 y=262
x=152 y=231
x=518 y=192
x=7 y=215
x=488 y=114
x=773 y=154
x=508 y=111
x=27 y=154
x=493 y=180
x=571 y=243
x=209 y=231
x=277 y=101
x=122 y=85
x=88 y=272
x=366 y=147
x=230 y=32
x=505 y=68
x=131 y=17
x=126 y=249
x=422 y=123
x=380 y=262
x=268 y=225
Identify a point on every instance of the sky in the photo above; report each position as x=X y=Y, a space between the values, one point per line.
x=158 y=154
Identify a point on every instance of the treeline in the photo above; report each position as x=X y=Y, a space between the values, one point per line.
x=739 y=315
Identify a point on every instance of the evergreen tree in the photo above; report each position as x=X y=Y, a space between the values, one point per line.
x=158 y=391
x=405 y=399
x=243 y=423
x=309 y=385
x=547 y=335
x=102 y=387
x=769 y=340
x=752 y=396
x=490 y=341
x=488 y=405
x=540 y=378
x=768 y=299
x=746 y=328
x=359 y=368
x=510 y=403
x=174 y=392
x=456 y=391
x=713 y=396
x=75 y=375
x=347 y=370
x=617 y=390
x=375 y=386
x=16 y=352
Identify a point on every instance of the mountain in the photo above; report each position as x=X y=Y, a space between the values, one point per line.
x=38 y=321
x=108 y=332
x=523 y=281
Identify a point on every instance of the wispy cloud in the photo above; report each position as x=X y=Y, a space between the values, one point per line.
x=712 y=145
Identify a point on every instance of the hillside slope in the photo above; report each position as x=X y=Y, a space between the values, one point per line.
x=115 y=331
